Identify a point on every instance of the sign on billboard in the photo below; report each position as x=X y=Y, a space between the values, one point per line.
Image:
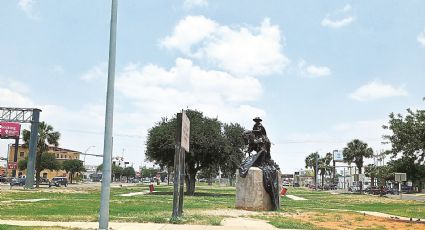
x=185 y=132
x=12 y=165
x=9 y=130
x=400 y=177
x=338 y=156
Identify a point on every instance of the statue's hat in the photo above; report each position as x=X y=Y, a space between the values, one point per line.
x=257 y=119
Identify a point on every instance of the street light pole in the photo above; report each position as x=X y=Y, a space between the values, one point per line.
x=109 y=114
x=85 y=153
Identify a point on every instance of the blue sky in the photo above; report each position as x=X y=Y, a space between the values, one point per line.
x=319 y=73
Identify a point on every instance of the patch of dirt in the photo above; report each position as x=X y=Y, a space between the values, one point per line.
x=224 y=212
x=342 y=220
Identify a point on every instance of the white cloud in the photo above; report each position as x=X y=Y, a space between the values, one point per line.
x=250 y=51
x=28 y=7
x=185 y=85
x=421 y=38
x=95 y=72
x=189 y=31
x=327 y=22
x=313 y=70
x=13 y=94
x=339 y=18
x=377 y=90
x=189 y=4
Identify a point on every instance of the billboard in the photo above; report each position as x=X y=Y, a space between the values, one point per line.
x=10 y=130
x=338 y=156
x=400 y=177
x=12 y=165
x=185 y=132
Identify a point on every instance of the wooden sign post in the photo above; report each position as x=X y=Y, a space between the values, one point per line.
x=182 y=146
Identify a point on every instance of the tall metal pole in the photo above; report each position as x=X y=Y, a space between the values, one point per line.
x=109 y=114
x=29 y=182
x=317 y=169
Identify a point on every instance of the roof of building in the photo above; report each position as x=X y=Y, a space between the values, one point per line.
x=58 y=149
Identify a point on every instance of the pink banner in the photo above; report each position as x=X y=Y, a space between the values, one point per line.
x=10 y=130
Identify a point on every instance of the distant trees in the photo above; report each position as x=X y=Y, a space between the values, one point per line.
x=356 y=151
x=408 y=135
x=407 y=141
x=128 y=172
x=211 y=144
x=233 y=152
x=47 y=161
x=116 y=171
x=324 y=166
x=148 y=171
x=46 y=136
x=310 y=162
x=73 y=166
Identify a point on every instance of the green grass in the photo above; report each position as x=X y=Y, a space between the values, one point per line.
x=13 y=227
x=325 y=201
x=83 y=206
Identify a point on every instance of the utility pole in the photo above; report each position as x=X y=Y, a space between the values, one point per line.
x=109 y=115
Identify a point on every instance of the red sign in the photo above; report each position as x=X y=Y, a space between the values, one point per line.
x=13 y=165
x=10 y=130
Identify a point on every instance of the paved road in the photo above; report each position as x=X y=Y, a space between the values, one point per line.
x=416 y=197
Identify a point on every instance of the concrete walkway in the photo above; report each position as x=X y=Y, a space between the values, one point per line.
x=134 y=193
x=227 y=224
x=295 y=197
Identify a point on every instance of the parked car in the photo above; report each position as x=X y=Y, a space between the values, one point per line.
x=354 y=189
x=17 y=182
x=202 y=180
x=58 y=181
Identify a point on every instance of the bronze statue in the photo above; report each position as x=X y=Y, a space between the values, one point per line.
x=257 y=140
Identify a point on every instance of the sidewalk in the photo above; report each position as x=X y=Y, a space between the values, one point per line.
x=227 y=224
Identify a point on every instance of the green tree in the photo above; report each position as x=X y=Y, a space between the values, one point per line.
x=207 y=144
x=73 y=166
x=148 y=171
x=129 y=172
x=324 y=166
x=414 y=171
x=310 y=162
x=408 y=134
x=233 y=152
x=48 y=161
x=22 y=164
x=356 y=151
x=46 y=136
x=116 y=171
x=371 y=171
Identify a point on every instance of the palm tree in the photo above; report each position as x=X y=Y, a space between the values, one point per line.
x=46 y=136
x=310 y=162
x=356 y=151
x=324 y=166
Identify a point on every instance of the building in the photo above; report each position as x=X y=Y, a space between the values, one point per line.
x=91 y=173
x=2 y=171
x=60 y=153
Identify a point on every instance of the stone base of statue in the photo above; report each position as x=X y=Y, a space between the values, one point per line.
x=250 y=192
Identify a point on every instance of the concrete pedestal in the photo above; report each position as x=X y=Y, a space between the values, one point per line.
x=250 y=192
